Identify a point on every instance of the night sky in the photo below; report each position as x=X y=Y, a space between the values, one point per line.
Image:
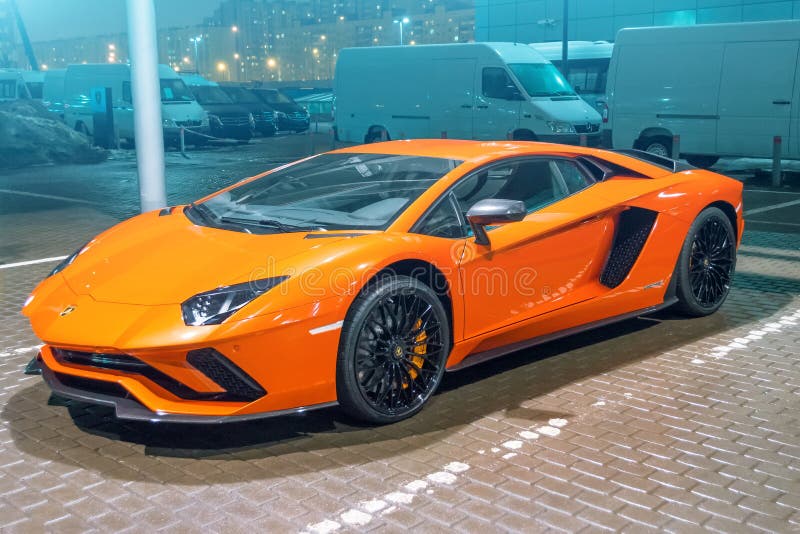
x=57 y=19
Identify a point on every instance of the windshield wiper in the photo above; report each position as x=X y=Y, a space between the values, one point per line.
x=203 y=212
x=270 y=223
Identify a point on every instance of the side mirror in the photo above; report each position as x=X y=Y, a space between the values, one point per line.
x=493 y=211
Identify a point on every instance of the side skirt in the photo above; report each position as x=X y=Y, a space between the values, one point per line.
x=480 y=357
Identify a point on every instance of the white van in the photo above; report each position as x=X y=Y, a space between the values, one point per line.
x=725 y=89
x=12 y=86
x=463 y=91
x=178 y=105
x=53 y=91
x=588 y=67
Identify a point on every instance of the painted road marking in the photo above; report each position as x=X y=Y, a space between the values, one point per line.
x=30 y=262
x=768 y=191
x=22 y=350
x=773 y=207
x=51 y=197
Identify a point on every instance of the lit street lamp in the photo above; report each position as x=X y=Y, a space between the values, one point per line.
x=196 y=40
x=402 y=21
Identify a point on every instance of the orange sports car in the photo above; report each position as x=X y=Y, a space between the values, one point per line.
x=359 y=276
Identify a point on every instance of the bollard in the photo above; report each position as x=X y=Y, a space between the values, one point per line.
x=582 y=139
x=444 y=134
x=676 y=146
x=777 y=142
x=310 y=133
x=183 y=141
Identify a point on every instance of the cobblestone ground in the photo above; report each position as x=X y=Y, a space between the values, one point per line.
x=657 y=423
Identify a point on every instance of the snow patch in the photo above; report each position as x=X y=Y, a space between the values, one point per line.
x=527 y=434
x=354 y=517
x=557 y=422
x=549 y=431
x=375 y=505
x=456 y=467
x=442 y=477
x=513 y=444
x=324 y=527
x=416 y=485
x=509 y=455
x=399 y=497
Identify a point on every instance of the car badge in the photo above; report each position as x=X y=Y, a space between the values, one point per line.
x=66 y=311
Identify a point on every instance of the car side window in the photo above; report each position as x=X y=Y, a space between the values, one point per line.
x=496 y=83
x=574 y=179
x=443 y=221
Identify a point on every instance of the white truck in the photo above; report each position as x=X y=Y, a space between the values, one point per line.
x=178 y=106
x=724 y=89
x=483 y=91
x=12 y=86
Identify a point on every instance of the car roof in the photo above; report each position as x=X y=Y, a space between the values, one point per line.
x=480 y=152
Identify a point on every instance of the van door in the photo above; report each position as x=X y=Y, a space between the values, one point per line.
x=452 y=98
x=497 y=106
x=755 y=96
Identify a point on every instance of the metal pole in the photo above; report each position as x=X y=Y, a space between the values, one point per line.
x=777 y=145
x=565 y=42
x=147 y=110
x=401 y=33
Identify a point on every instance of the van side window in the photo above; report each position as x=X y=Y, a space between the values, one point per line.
x=126 y=92
x=498 y=84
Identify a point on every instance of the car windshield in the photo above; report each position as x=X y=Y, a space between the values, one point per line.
x=541 y=79
x=241 y=95
x=210 y=94
x=173 y=90
x=327 y=192
x=274 y=97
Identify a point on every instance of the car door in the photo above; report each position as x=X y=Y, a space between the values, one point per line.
x=755 y=96
x=547 y=261
x=497 y=105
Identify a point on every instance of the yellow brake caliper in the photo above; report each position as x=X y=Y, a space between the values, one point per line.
x=420 y=348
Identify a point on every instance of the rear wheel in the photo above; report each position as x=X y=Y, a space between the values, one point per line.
x=376 y=134
x=706 y=264
x=660 y=145
x=393 y=350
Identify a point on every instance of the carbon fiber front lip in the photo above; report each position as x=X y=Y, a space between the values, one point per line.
x=130 y=409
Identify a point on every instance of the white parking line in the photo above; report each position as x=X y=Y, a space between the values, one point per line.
x=769 y=191
x=21 y=350
x=772 y=207
x=31 y=262
x=51 y=197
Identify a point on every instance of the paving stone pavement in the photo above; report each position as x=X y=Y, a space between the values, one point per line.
x=660 y=423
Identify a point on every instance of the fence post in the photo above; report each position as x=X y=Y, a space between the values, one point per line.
x=777 y=143
x=676 y=146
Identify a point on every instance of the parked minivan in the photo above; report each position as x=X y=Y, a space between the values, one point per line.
x=289 y=115
x=464 y=91
x=725 y=89
x=588 y=67
x=263 y=114
x=226 y=118
x=12 y=86
x=178 y=106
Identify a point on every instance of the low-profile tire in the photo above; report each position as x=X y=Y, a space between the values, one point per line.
x=393 y=350
x=660 y=145
x=702 y=162
x=706 y=264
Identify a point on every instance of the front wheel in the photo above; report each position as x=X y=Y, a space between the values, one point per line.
x=393 y=350
x=706 y=264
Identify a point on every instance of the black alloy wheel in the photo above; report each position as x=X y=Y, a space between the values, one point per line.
x=393 y=351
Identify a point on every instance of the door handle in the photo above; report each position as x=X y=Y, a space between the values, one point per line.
x=482 y=106
x=466 y=106
x=782 y=102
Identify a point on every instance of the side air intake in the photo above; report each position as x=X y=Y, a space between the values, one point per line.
x=635 y=225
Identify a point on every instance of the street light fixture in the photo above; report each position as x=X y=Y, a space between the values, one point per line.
x=196 y=40
x=402 y=21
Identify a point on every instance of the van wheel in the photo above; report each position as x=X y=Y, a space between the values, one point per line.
x=524 y=135
x=703 y=162
x=659 y=145
x=376 y=134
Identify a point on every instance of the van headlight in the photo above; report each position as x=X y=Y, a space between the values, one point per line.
x=251 y=120
x=560 y=127
x=213 y=307
x=169 y=123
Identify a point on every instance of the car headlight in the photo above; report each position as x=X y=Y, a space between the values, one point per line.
x=214 y=119
x=561 y=127
x=251 y=120
x=280 y=115
x=66 y=262
x=213 y=307
x=169 y=123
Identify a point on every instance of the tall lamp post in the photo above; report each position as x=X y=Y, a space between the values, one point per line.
x=402 y=21
x=196 y=40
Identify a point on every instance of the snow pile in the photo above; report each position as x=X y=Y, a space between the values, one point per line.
x=28 y=136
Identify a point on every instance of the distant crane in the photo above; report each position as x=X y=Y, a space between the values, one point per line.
x=23 y=33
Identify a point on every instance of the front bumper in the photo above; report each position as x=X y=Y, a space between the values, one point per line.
x=127 y=407
x=592 y=139
x=292 y=124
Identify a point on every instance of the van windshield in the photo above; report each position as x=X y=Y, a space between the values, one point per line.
x=211 y=94
x=241 y=95
x=173 y=90
x=541 y=79
x=274 y=97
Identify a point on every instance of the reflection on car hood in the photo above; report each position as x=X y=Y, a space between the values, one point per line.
x=150 y=260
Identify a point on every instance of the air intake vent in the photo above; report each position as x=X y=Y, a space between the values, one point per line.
x=238 y=385
x=634 y=227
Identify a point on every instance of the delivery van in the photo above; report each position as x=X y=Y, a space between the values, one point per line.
x=463 y=91
x=725 y=89
x=227 y=118
x=178 y=106
x=12 y=86
x=34 y=81
x=588 y=67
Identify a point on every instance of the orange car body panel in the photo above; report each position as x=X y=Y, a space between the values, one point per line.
x=127 y=285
